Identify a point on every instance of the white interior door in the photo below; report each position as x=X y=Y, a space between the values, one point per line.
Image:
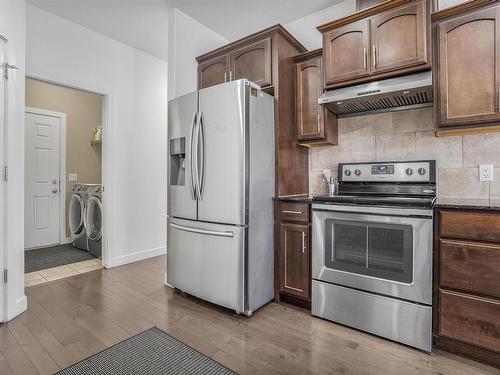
x=42 y=211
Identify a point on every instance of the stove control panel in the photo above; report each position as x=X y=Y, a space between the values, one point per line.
x=401 y=171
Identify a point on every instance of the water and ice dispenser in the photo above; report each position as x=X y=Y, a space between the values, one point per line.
x=177 y=161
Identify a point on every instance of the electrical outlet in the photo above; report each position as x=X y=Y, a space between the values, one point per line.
x=72 y=177
x=486 y=172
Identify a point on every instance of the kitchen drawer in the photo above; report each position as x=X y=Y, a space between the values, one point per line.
x=470 y=266
x=470 y=225
x=473 y=320
x=294 y=212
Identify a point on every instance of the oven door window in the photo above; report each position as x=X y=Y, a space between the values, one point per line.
x=372 y=249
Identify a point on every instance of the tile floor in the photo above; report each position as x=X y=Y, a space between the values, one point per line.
x=56 y=273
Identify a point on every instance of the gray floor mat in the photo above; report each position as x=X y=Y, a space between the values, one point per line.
x=54 y=256
x=152 y=352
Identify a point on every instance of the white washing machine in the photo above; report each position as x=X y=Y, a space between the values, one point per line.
x=76 y=223
x=93 y=221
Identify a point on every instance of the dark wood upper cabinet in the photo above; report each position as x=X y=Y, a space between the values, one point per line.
x=295 y=275
x=253 y=62
x=467 y=73
x=387 y=39
x=214 y=71
x=309 y=88
x=315 y=125
x=346 y=52
x=399 y=38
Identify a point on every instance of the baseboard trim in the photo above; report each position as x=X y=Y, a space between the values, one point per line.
x=19 y=307
x=66 y=241
x=167 y=284
x=135 y=257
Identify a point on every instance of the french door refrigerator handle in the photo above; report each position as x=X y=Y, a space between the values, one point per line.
x=193 y=157
x=202 y=231
x=201 y=131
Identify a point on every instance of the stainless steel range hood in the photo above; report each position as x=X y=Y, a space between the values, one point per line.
x=393 y=94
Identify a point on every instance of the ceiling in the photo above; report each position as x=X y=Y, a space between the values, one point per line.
x=234 y=19
x=143 y=24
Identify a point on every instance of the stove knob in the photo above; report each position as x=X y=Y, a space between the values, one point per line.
x=357 y=172
x=409 y=171
x=347 y=172
x=421 y=171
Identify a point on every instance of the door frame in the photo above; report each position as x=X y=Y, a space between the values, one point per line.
x=3 y=198
x=106 y=170
x=62 y=164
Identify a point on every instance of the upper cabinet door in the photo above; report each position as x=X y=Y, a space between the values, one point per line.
x=399 y=38
x=468 y=71
x=309 y=89
x=346 y=52
x=253 y=62
x=213 y=71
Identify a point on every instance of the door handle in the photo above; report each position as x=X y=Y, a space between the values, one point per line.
x=225 y=76
x=303 y=242
x=365 y=58
x=54 y=182
x=192 y=155
x=292 y=212
x=230 y=75
x=374 y=50
x=54 y=191
x=201 y=173
x=203 y=231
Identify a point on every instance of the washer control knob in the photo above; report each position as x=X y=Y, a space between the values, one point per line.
x=409 y=171
x=357 y=172
x=347 y=172
x=421 y=171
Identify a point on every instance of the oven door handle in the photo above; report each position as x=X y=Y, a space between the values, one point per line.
x=385 y=211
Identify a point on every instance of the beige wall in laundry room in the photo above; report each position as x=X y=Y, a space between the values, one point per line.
x=83 y=113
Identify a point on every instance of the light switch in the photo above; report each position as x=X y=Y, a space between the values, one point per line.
x=72 y=177
x=486 y=172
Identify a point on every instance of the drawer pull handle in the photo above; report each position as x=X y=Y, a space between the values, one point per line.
x=292 y=212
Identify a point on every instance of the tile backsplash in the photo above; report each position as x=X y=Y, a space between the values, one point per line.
x=409 y=135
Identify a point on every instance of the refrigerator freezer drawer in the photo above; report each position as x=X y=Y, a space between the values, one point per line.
x=207 y=261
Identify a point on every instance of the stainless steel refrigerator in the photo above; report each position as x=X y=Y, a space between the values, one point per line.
x=221 y=184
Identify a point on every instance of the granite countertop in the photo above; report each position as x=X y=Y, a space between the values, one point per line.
x=303 y=198
x=468 y=204
x=465 y=204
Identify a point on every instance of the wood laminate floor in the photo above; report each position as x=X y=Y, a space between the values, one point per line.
x=69 y=319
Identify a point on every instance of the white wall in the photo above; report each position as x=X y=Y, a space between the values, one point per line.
x=135 y=131
x=12 y=27
x=442 y=4
x=304 y=29
x=187 y=39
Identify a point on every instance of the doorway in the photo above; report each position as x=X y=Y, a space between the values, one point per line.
x=64 y=194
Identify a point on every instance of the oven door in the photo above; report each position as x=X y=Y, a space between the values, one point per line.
x=375 y=249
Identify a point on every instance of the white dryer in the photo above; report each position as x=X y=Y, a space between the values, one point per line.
x=76 y=216
x=93 y=221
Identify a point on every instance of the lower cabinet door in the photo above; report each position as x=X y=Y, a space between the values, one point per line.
x=295 y=266
x=471 y=319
